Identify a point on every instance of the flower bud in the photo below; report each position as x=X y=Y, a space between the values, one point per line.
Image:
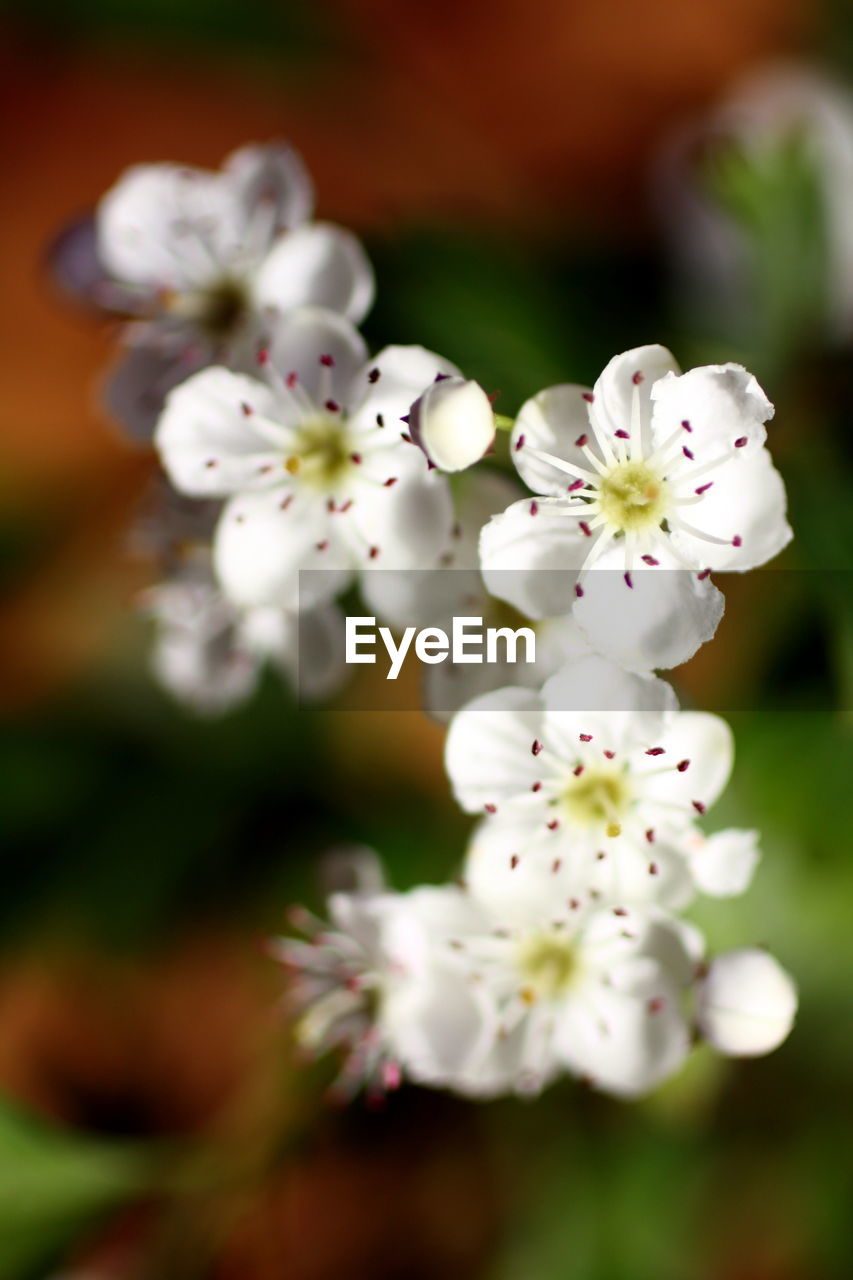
x=453 y=423
x=746 y=1003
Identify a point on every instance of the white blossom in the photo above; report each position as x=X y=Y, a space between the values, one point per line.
x=209 y=655
x=591 y=790
x=454 y=423
x=745 y=1003
x=311 y=455
x=381 y=985
x=644 y=485
x=204 y=259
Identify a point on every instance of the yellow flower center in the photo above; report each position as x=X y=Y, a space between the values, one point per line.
x=218 y=310
x=548 y=964
x=632 y=497
x=597 y=798
x=322 y=453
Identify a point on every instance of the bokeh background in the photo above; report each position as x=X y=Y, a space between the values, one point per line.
x=505 y=162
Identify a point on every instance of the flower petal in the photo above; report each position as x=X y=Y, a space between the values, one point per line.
x=551 y=422
x=531 y=554
x=167 y=226
x=270 y=178
x=305 y=340
x=706 y=743
x=745 y=507
x=488 y=752
x=317 y=264
x=628 y=380
x=722 y=865
x=720 y=403
x=263 y=541
x=206 y=438
x=391 y=383
x=660 y=621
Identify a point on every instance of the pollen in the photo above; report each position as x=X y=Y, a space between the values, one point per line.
x=633 y=497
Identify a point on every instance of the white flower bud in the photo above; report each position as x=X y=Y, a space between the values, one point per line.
x=453 y=422
x=746 y=1003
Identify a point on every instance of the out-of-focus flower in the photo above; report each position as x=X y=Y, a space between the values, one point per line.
x=209 y=655
x=453 y=422
x=591 y=789
x=381 y=985
x=775 y=123
x=312 y=453
x=651 y=480
x=746 y=1003
x=201 y=260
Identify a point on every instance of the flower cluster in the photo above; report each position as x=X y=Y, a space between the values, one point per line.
x=314 y=467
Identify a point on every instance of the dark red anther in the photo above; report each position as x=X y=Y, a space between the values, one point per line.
x=490 y=808
x=619 y=911
x=373 y=553
x=578 y=770
x=683 y=765
x=698 y=806
x=574 y=904
x=655 y=751
x=575 y=485
x=609 y=754
x=581 y=441
x=392 y=480
x=380 y=421
x=705 y=573
x=686 y=424
x=519 y=444
x=737 y=540
x=553 y=824
x=246 y=409
x=263 y=356
x=537 y=786
x=703 y=488
x=321 y=546
x=536 y=747
x=291 y=380
x=578 y=590
x=356 y=458
x=653 y=868
x=584 y=528
x=740 y=442
x=588 y=396
x=688 y=453
x=585 y=737
x=621 y=435
x=628 y=580
x=650 y=835
x=373 y=375
x=650 y=560
x=534 y=507
x=513 y=862
x=404 y=436
x=638 y=378
x=327 y=361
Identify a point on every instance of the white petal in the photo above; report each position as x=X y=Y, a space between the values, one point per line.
x=440 y=1027
x=658 y=622
x=746 y=508
x=206 y=440
x=624 y=1045
x=531 y=554
x=454 y=423
x=722 y=865
x=551 y=422
x=745 y=1006
x=488 y=751
x=705 y=741
x=628 y=380
x=390 y=384
x=270 y=179
x=721 y=404
x=404 y=526
x=260 y=547
x=166 y=226
x=317 y=265
x=302 y=340
x=597 y=697
x=524 y=875
x=145 y=371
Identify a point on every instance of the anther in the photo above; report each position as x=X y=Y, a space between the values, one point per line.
x=585 y=737
x=621 y=435
x=246 y=409
x=534 y=507
x=513 y=862
x=688 y=453
x=656 y=751
x=519 y=444
x=536 y=747
x=650 y=835
x=737 y=540
x=698 y=806
x=327 y=361
x=588 y=396
x=490 y=808
x=682 y=765
x=628 y=580
x=585 y=529
x=581 y=441
x=740 y=442
x=333 y=406
x=373 y=376
x=638 y=378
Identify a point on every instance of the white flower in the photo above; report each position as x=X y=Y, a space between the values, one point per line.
x=772 y=106
x=209 y=655
x=382 y=986
x=746 y=1003
x=204 y=258
x=454 y=423
x=591 y=790
x=311 y=454
x=653 y=479
x=596 y=993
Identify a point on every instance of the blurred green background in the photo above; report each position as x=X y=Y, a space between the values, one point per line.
x=499 y=161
